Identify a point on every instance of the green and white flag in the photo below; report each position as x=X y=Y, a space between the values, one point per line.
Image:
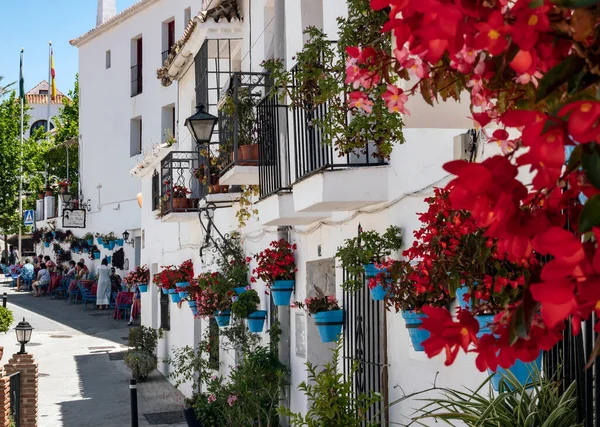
x=21 y=79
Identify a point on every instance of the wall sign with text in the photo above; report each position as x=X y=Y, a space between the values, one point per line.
x=74 y=218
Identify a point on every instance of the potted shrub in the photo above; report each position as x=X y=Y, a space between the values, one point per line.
x=329 y=317
x=141 y=359
x=140 y=277
x=48 y=238
x=245 y=307
x=277 y=268
x=41 y=194
x=179 y=194
x=49 y=191
x=64 y=186
x=214 y=297
x=185 y=273
x=89 y=238
x=359 y=254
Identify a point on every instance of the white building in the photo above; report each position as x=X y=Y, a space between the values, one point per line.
x=124 y=110
x=316 y=205
x=37 y=100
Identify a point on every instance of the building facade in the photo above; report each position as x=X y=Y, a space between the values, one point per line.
x=39 y=110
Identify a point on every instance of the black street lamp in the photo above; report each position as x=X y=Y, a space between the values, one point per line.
x=23 y=331
x=126 y=235
x=201 y=125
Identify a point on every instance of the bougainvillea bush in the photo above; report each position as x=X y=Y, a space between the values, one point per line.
x=530 y=65
x=141 y=275
x=214 y=293
x=171 y=275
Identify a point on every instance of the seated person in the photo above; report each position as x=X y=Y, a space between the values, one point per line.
x=27 y=274
x=115 y=281
x=50 y=265
x=72 y=270
x=43 y=278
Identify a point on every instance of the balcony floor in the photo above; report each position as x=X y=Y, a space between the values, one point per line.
x=278 y=210
x=240 y=175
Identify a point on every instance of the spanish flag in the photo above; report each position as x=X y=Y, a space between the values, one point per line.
x=52 y=73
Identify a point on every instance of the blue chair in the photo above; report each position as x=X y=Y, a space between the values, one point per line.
x=26 y=284
x=86 y=296
x=75 y=294
x=44 y=288
x=14 y=280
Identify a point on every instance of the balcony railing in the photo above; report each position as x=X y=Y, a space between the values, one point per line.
x=237 y=119
x=164 y=56
x=310 y=151
x=273 y=134
x=136 y=79
x=179 y=171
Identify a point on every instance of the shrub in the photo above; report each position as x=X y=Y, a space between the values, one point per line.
x=245 y=304
x=141 y=363
x=144 y=339
x=6 y=319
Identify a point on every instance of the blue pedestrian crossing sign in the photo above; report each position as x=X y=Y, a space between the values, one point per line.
x=28 y=217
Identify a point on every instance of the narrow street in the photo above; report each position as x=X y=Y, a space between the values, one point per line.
x=83 y=380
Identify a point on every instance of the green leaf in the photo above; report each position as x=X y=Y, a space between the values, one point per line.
x=591 y=166
x=590 y=216
x=559 y=75
x=518 y=325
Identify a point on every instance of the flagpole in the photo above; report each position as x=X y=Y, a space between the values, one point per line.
x=22 y=96
x=49 y=87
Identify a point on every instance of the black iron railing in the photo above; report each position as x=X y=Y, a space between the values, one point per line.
x=182 y=171
x=310 y=150
x=15 y=398
x=274 y=170
x=165 y=56
x=238 y=132
x=136 y=79
x=364 y=347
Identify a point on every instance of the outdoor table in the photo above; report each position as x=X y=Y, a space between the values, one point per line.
x=123 y=299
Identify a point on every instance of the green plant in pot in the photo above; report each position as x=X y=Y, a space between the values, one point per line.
x=245 y=307
x=141 y=358
x=358 y=255
x=6 y=319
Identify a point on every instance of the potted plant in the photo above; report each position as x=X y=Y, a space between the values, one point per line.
x=41 y=194
x=277 y=268
x=141 y=358
x=49 y=191
x=48 y=238
x=329 y=317
x=214 y=297
x=184 y=275
x=179 y=194
x=64 y=186
x=245 y=307
x=89 y=238
x=99 y=239
x=359 y=254
x=140 y=277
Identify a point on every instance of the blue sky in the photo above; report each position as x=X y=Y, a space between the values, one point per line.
x=30 y=24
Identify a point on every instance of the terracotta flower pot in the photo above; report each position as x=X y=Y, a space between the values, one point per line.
x=254 y=152
x=180 y=203
x=248 y=155
x=49 y=193
x=216 y=188
x=41 y=195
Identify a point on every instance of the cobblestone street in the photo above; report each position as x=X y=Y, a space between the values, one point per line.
x=83 y=380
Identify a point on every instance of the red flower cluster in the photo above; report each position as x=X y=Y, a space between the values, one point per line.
x=141 y=275
x=171 y=275
x=501 y=49
x=275 y=263
x=214 y=293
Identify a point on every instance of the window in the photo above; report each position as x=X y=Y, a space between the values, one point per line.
x=136 y=137
x=107 y=59
x=213 y=339
x=136 y=66
x=43 y=92
x=155 y=190
x=187 y=16
x=168 y=39
x=165 y=316
x=168 y=123
x=40 y=124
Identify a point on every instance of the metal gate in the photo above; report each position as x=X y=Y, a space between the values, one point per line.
x=365 y=345
x=15 y=398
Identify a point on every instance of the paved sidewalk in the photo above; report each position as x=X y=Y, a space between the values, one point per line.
x=79 y=384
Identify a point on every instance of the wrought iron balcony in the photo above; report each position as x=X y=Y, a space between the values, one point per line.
x=183 y=183
x=136 y=79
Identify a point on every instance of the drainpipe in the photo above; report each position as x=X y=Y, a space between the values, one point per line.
x=285 y=342
x=279 y=33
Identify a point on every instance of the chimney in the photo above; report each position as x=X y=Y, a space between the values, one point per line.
x=106 y=10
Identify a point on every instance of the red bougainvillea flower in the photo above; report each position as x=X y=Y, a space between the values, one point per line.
x=547 y=157
x=583 y=120
x=523 y=63
x=492 y=34
x=361 y=101
x=446 y=334
x=395 y=98
x=529 y=23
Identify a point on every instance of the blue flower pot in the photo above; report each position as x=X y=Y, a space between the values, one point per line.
x=54 y=233
x=223 y=318
x=142 y=288
x=90 y=242
x=100 y=241
x=378 y=293
x=165 y=291
x=460 y=293
x=256 y=321
x=329 y=324
x=240 y=290
x=372 y=271
x=414 y=321
x=526 y=373
x=109 y=259
x=282 y=291
x=193 y=307
x=97 y=254
x=182 y=285
x=192 y=303
x=111 y=245
x=183 y=294
x=47 y=244
x=85 y=250
x=174 y=296
x=119 y=242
